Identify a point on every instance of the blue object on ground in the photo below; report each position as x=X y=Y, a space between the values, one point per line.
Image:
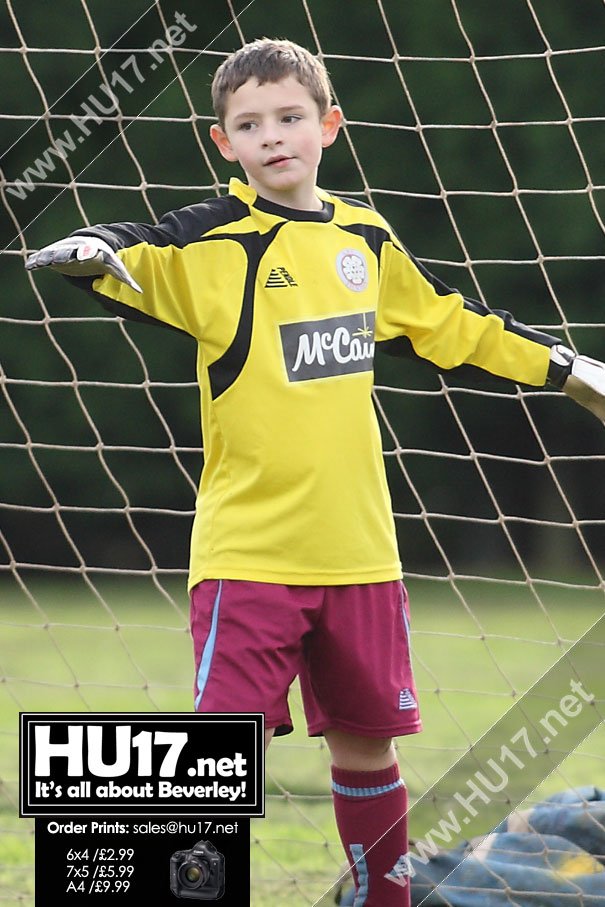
x=551 y=854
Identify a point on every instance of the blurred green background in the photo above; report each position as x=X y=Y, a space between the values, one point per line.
x=477 y=130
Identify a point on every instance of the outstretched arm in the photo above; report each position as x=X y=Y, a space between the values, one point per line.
x=134 y=270
x=81 y=256
x=420 y=317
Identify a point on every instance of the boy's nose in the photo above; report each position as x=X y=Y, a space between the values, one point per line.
x=271 y=136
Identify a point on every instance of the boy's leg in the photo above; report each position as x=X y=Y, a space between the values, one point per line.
x=358 y=689
x=370 y=805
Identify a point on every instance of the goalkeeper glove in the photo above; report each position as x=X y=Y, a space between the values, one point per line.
x=81 y=256
x=579 y=377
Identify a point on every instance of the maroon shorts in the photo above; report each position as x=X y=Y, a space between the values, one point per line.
x=348 y=644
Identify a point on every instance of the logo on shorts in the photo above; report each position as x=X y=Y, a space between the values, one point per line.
x=352 y=269
x=331 y=346
x=406 y=700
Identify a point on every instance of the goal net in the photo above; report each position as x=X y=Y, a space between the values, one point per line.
x=478 y=134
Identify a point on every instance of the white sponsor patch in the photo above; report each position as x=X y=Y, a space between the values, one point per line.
x=328 y=347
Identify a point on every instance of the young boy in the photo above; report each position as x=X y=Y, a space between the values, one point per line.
x=294 y=566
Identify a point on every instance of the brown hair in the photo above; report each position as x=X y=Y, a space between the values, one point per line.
x=270 y=60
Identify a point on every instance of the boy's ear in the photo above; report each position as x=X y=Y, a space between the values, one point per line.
x=219 y=137
x=330 y=124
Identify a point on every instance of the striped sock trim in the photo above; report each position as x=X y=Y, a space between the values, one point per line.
x=366 y=791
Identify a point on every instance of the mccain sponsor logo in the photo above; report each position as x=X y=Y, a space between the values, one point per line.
x=331 y=346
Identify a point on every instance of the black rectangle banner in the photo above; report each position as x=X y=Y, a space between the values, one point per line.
x=155 y=764
x=142 y=861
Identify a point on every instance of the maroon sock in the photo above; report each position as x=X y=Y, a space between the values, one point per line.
x=370 y=809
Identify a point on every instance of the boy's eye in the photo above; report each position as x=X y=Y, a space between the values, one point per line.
x=291 y=118
x=246 y=126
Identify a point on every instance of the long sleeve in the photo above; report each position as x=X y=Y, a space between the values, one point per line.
x=419 y=316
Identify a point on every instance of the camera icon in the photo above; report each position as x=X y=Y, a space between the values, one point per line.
x=198 y=873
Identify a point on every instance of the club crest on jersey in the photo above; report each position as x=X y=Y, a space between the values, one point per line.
x=352 y=269
x=328 y=347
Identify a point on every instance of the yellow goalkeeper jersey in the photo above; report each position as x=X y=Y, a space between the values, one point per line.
x=286 y=307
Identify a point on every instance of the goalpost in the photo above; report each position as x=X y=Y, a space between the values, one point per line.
x=480 y=141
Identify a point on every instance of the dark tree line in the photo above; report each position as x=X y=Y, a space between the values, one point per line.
x=479 y=139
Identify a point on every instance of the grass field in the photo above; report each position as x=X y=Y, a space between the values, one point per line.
x=476 y=647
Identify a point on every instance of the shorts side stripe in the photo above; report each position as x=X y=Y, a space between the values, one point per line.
x=206 y=659
x=363 y=881
x=405 y=616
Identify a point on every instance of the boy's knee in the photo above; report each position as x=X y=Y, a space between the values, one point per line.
x=358 y=753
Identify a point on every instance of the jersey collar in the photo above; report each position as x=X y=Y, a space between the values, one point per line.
x=249 y=196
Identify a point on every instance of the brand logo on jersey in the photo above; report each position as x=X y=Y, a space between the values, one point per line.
x=279 y=277
x=406 y=700
x=352 y=269
x=331 y=346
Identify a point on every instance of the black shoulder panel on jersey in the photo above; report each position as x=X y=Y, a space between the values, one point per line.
x=176 y=228
x=373 y=235
x=224 y=371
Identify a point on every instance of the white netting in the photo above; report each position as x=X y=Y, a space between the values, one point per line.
x=478 y=133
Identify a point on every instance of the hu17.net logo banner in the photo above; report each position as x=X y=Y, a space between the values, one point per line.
x=139 y=763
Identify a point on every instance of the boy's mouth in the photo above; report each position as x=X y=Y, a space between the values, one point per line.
x=277 y=160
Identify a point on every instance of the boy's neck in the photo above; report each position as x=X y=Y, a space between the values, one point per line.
x=298 y=201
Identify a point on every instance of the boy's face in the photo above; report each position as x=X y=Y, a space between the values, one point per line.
x=276 y=133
